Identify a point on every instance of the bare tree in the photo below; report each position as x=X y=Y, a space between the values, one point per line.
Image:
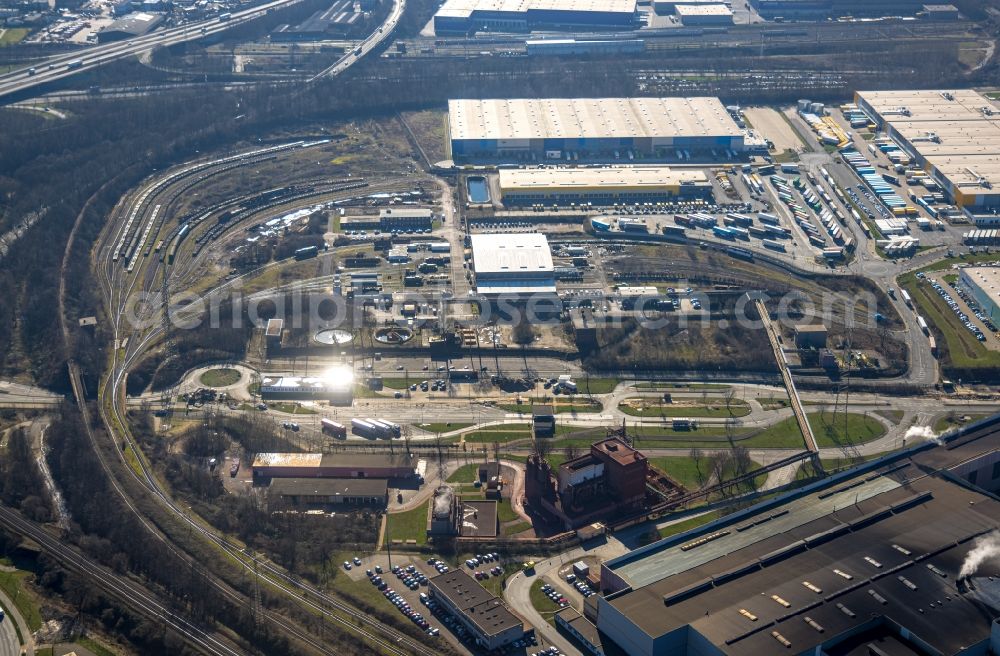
x=571 y=452
x=730 y=393
x=697 y=456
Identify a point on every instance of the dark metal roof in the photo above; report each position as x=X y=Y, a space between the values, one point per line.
x=482 y=608
x=885 y=541
x=346 y=487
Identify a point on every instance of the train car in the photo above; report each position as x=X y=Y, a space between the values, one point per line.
x=306 y=253
x=332 y=428
x=723 y=233
x=741 y=253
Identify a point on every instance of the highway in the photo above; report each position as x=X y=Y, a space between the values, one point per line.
x=20 y=80
x=57 y=67
x=373 y=41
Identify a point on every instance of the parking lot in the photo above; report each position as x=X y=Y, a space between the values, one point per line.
x=405 y=586
x=966 y=310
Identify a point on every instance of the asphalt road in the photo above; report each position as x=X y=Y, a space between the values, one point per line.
x=8 y=639
x=56 y=67
x=9 y=645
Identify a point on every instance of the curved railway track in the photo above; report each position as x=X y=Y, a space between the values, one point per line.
x=118 y=283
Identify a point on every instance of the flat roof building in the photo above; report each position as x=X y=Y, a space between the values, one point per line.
x=984 y=284
x=486 y=617
x=337 y=386
x=129 y=26
x=600 y=186
x=954 y=135
x=704 y=14
x=515 y=263
x=669 y=6
x=806 y=9
x=875 y=560
x=465 y=16
x=333 y=465
x=548 y=127
x=319 y=492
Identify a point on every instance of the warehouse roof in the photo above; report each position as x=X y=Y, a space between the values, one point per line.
x=511 y=253
x=135 y=24
x=406 y=212
x=863 y=551
x=703 y=10
x=927 y=105
x=590 y=118
x=956 y=132
x=465 y=8
x=987 y=278
x=330 y=487
x=332 y=460
x=514 y=180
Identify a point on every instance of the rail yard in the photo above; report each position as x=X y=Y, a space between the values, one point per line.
x=475 y=328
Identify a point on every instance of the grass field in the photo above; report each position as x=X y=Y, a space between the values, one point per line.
x=561 y=408
x=502 y=434
x=92 y=645
x=12 y=35
x=292 y=409
x=953 y=420
x=465 y=473
x=737 y=408
x=545 y=606
x=220 y=377
x=786 y=433
x=12 y=583
x=654 y=385
x=444 y=427
x=514 y=529
x=505 y=512
x=596 y=385
x=408 y=525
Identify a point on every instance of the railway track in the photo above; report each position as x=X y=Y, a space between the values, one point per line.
x=122 y=588
x=118 y=283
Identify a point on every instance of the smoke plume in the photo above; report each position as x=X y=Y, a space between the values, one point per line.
x=922 y=432
x=985 y=548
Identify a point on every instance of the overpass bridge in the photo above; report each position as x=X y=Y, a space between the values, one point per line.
x=793 y=395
